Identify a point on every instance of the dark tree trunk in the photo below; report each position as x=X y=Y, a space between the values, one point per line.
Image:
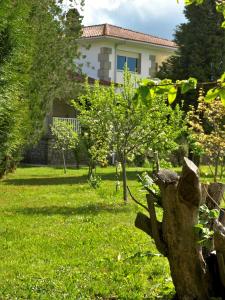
x=64 y=161
x=124 y=176
x=192 y=272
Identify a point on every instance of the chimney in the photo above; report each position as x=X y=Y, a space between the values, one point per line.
x=106 y=29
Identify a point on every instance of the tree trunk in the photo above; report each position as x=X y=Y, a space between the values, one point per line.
x=117 y=177
x=64 y=161
x=216 y=168
x=194 y=275
x=124 y=176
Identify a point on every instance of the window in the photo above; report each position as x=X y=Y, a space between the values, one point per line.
x=132 y=63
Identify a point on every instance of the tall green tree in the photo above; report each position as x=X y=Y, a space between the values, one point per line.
x=201 y=42
x=37 y=52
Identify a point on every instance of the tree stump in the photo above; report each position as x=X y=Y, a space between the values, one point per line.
x=196 y=274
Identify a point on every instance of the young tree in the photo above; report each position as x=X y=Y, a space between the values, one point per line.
x=96 y=128
x=207 y=133
x=65 y=138
x=120 y=122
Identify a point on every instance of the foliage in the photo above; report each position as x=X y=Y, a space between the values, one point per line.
x=201 y=52
x=31 y=75
x=117 y=119
x=148 y=183
x=65 y=138
x=95 y=126
x=205 y=234
x=94 y=181
x=207 y=133
x=61 y=240
x=220 y=6
x=148 y=89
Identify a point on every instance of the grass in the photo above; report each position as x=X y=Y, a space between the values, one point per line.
x=60 y=239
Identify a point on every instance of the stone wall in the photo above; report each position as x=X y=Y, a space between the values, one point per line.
x=38 y=154
x=55 y=157
x=45 y=154
x=105 y=64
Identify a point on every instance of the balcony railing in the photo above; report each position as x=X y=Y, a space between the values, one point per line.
x=73 y=122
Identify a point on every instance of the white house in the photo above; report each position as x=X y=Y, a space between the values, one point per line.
x=106 y=48
x=104 y=51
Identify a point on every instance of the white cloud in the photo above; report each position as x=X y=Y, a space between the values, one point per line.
x=99 y=10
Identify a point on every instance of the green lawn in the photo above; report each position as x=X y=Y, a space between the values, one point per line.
x=60 y=239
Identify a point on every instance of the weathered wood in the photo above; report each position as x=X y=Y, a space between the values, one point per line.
x=212 y=194
x=219 y=243
x=143 y=223
x=175 y=237
x=221 y=265
x=215 y=194
x=156 y=226
x=219 y=237
x=222 y=217
x=189 y=187
x=196 y=275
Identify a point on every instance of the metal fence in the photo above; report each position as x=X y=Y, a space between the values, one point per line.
x=73 y=122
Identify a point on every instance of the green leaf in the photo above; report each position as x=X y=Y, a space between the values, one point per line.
x=222 y=96
x=188 y=2
x=172 y=94
x=214 y=214
x=188 y=85
x=200 y=226
x=146 y=82
x=222 y=78
x=144 y=93
x=152 y=93
x=212 y=95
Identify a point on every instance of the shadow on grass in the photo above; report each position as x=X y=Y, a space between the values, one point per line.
x=89 y=209
x=131 y=175
x=47 y=180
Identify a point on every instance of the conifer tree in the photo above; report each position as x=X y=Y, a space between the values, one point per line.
x=201 y=43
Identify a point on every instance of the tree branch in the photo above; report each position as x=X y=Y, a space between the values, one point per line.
x=143 y=223
x=156 y=226
x=132 y=197
x=189 y=188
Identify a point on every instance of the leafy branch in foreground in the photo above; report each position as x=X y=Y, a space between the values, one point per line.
x=149 y=89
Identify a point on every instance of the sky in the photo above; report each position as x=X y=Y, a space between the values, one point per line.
x=156 y=17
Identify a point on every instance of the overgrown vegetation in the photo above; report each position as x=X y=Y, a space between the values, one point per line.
x=32 y=75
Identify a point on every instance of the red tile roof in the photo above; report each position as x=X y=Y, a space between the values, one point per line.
x=122 y=33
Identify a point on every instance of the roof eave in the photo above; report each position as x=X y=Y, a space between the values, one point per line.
x=129 y=40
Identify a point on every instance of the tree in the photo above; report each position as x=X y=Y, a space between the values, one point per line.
x=201 y=47
x=207 y=133
x=92 y=106
x=65 y=138
x=119 y=121
x=32 y=76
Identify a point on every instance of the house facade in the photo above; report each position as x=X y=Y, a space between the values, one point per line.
x=104 y=49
